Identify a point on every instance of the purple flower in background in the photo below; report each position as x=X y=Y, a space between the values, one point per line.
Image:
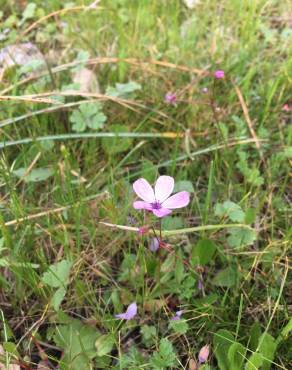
x=205 y=90
x=154 y=244
x=177 y=315
x=129 y=314
x=159 y=201
x=204 y=354
x=219 y=74
x=170 y=98
x=200 y=285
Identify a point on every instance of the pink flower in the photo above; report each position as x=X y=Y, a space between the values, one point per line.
x=286 y=108
x=219 y=74
x=204 y=354
x=170 y=98
x=129 y=314
x=159 y=201
x=177 y=315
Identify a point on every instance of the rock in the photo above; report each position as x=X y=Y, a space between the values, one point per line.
x=19 y=55
x=86 y=80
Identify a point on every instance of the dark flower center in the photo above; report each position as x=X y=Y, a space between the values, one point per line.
x=156 y=205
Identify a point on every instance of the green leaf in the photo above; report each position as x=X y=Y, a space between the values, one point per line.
x=148 y=170
x=231 y=210
x=125 y=90
x=255 y=333
x=179 y=326
x=184 y=185
x=29 y=11
x=165 y=357
x=203 y=252
x=285 y=332
x=149 y=334
x=226 y=278
x=77 y=341
x=254 y=362
x=57 y=275
x=172 y=223
x=267 y=348
x=116 y=145
x=35 y=175
x=179 y=268
x=222 y=341
x=241 y=236
x=88 y=115
x=236 y=356
x=104 y=344
x=11 y=348
x=58 y=298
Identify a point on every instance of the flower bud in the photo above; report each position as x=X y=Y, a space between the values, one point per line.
x=204 y=354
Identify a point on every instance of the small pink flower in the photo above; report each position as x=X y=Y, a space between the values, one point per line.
x=177 y=315
x=286 y=108
x=204 y=354
x=170 y=98
x=159 y=201
x=219 y=74
x=129 y=314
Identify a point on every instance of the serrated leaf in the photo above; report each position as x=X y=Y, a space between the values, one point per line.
x=241 y=236
x=104 y=344
x=226 y=278
x=123 y=90
x=179 y=326
x=77 y=341
x=172 y=223
x=231 y=210
x=88 y=115
x=58 y=274
x=35 y=175
x=149 y=334
x=203 y=252
x=165 y=357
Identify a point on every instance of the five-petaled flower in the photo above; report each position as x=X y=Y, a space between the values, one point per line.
x=129 y=314
x=159 y=201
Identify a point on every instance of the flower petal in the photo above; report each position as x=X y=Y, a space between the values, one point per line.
x=121 y=316
x=177 y=200
x=163 y=187
x=131 y=311
x=139 y=204
x=154 y=244
x=162 y=212
x=144 y=190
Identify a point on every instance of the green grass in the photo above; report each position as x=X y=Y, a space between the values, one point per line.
x=55 y=216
